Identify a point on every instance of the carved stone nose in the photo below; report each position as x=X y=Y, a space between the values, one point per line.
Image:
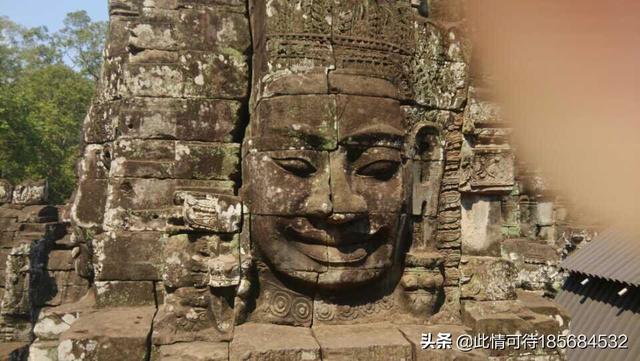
x=344 y=199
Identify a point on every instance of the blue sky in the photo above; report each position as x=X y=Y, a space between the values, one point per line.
x=50 y=13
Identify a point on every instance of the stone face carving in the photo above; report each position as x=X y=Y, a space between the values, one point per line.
x=328 y=164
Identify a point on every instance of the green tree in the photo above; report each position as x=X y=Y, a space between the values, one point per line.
x=40 y=120
x=81 y=42
x=44 y=99
x=24 y=48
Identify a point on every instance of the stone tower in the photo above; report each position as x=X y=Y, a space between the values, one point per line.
x=298 y=180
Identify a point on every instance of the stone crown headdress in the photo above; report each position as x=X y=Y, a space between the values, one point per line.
x=362 y=37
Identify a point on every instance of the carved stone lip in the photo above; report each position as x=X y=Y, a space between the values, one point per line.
x=340 y=235
x=341 y=244
x=334 y=256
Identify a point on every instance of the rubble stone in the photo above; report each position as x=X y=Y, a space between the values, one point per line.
x=487 y=279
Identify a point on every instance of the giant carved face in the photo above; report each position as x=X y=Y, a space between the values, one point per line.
x=325 y=184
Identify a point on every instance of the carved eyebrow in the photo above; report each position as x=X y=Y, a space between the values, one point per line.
x=375 y=134
x=310 y=139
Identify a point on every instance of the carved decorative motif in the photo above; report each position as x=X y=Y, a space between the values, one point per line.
x=357 y=37
x=211 y=212
x=279 y=305
x=488 y=171
x=344 y=313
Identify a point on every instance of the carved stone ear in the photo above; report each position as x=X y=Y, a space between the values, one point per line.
x=424 y=141
x=426 y=152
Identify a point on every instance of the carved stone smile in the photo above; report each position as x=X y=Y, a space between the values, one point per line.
x=338 y=245
x=333 y=255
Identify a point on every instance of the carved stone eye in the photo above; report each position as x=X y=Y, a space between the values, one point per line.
x=381 y=169
x=297 y=166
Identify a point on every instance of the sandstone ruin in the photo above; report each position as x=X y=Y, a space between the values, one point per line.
x=285 y=180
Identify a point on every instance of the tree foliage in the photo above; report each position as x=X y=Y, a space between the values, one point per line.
x=81 y=41
x=46 y=86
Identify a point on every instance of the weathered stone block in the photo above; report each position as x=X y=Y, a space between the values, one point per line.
x=544 y=306
x=495 y=317
x=309 y=83
x=6 y=192
x=194 y=314
x=140 y=204
x=15 y=300
x=106 y=335
x=512 y=317
x=170 y=159
x=215 y=28
x=193 y=351
x=6 y=239
x=481 y=112
x=207 y=161
x=535 y=262
x=128 y=256
x=99 y=126
x=43 y=351
x=178 y=267
x=52 y=322
x=480 y=223
x=112 y=69
x=158 y=36
x=9 y=224
x=60 y=260
x=89 y=202
x=38 y=214
x=375 y=115
x=187 y=257
x=15 y=329
x=29 y=193
x=545 y=213
x=59 y=287
x=124 y=293
x=28 y=233
x=301 y=122
x=96 y=161
x=487 y=278
x=183 y=119
x=253 y=342
x=138 y=194
x=376 y=342
x=197 y=75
